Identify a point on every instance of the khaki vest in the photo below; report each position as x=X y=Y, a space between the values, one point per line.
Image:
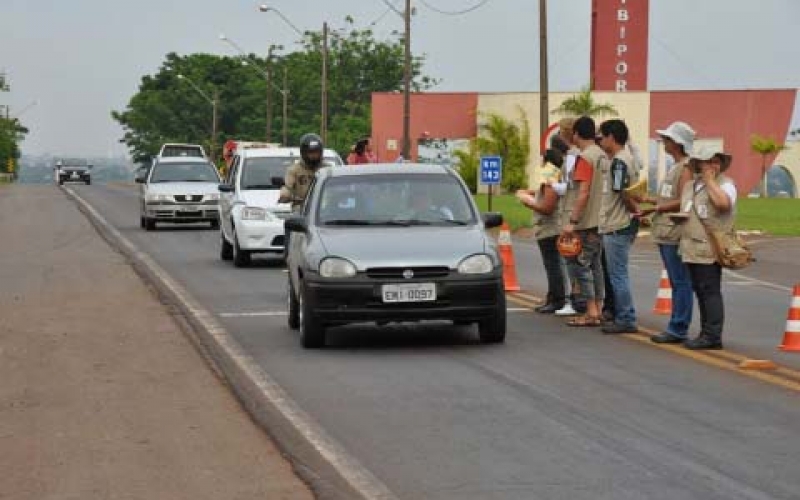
x=547 y=226
x=297 y=182
x=591 y=213
x=694 y=245
x=665 y=231
x=614 y=215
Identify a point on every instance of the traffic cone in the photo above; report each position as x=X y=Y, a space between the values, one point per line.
x=507 y=256
x=791 y=339
x=664 y=296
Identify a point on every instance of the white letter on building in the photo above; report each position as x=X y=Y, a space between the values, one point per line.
x=622 y=86
x=621 y=49
x=622 y=15
x=622 y=68
x=622 y=32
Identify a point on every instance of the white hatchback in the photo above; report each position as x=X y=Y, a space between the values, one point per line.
x=251 y=219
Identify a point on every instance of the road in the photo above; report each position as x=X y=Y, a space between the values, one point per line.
x=554 y=413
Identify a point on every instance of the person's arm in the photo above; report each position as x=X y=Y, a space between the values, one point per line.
x=546 y=206
x=718 y=197
x=287 y=190
x=583 y=174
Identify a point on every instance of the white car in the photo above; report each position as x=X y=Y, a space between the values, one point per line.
x=251 y=219
x=179 y=190
x=170 y=150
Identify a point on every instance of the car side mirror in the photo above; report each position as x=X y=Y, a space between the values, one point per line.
x=139 y=179
x=492 y=219
x=277 y=181
x=225 y=188
x=296 y=223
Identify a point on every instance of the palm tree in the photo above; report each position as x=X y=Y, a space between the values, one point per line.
x=510 y=140
x=766 y=147
x=583 y=104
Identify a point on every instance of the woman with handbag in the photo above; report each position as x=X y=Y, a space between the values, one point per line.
x=707 y=206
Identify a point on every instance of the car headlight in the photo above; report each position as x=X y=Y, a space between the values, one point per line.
x=155 y=198
x=335 y=267
x=212 y=197
x=476 y=264
x=254 y=213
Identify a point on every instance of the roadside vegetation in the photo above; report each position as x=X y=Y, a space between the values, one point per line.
x=773 y=216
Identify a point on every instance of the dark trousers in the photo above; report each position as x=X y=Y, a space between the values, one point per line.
x=707 y=283
x=551 y=259
x=608 y=302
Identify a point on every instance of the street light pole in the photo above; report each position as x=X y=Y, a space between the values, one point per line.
x=406 y=151
x=213 y=101
x=544 y=90
x=285 y=107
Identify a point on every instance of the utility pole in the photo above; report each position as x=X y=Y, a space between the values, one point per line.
x=268 y=77
x=544 y=94
x=324 y=114
x=406 y=151
x=285 y=107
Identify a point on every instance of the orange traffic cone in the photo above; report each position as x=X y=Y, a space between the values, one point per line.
x=791 y=339
x=507 y=256
x=664 y=296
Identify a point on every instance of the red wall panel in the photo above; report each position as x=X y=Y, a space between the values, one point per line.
x=734 y=116
x=619 y=45
x=434 y=115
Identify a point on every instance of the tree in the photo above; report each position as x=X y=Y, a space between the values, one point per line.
x=11 y=133
x=766 y=147
x=468 y=163
x=509 y=140
x=583 y=104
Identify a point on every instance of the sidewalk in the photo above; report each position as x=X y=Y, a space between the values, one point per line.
x=101 y=394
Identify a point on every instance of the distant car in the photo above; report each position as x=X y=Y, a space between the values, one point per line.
x=179 y=190
x=251 y=218
x=73 y=171
x=399 y=242
x=169 y=150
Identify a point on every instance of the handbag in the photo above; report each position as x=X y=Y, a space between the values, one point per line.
x=729 y=248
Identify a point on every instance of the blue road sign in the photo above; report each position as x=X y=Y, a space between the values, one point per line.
x=491 y=170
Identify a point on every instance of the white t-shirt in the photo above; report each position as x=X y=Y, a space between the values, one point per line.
x=569 y=165
x=728 y=187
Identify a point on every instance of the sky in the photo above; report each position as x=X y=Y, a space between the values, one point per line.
x=71 y=62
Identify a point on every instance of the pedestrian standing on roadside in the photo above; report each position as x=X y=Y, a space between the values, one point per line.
x=708 y=201
x=619 y=224
x=361 y=153
x=582 y=213
x=678 y=140
x=544 y=202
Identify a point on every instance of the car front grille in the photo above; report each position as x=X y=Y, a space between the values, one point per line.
x=399 y=272
x=188 y=198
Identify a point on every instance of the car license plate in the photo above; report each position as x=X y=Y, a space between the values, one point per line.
x=189 y=208
x=409 y=292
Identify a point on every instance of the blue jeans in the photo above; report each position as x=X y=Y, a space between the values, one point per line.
x=681 y=282
x=617 y=246
x=587 y=267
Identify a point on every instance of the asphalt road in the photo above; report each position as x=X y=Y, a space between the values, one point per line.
x=554 y=413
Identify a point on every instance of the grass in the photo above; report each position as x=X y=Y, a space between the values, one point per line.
x=775 y=216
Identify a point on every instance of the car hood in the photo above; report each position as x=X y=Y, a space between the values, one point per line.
x=183 y=188
x=264 y=198
x=400 y=246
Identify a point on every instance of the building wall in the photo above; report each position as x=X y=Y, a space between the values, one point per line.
x=619 y=47
x=434 y=115
x=733 y=115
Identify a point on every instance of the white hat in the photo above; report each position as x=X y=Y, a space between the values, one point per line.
x=681 y=133
x=706 y=152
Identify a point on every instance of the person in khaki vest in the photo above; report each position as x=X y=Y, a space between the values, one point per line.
x=618 y=222
x=582 y=212
x=544 y=202
x=710 y=199
x=666 y=233
x=301 y=174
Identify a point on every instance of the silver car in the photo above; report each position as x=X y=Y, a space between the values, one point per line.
x=393 y=243
x=179 y=190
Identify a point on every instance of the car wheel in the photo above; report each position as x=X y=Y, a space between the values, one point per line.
x=312 y=332
x=241 y=258
x=492 y=330
x=225 y=248
x=142 y=221
x=294 y=306
x=88 y=182
x=215 y=224
x=149 y=224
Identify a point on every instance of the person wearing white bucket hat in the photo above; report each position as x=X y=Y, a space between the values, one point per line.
x=707 y=201
x=678 y=141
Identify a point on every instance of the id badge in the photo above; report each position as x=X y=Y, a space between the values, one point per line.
x=687 y=207
x=605 y=186
x=702 y=211
x=666 y=191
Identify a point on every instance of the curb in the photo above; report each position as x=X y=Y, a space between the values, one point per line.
x=324 y=464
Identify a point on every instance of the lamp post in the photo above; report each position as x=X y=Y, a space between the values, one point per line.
x=213 y=101
x=267 y=74
x=406 y=151
x=324 y=72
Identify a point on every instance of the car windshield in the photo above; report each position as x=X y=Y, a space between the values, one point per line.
x=394 y=200
x=182 y=151
x=184 y=172
x=265 y=173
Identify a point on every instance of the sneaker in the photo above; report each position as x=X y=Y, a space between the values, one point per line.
x=567 y=310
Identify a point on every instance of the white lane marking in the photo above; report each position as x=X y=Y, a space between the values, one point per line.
x=359 y=477
x=253 y=314
x=518 y=309
x=766 y=284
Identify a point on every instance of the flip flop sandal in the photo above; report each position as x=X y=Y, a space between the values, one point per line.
x=585 y=321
